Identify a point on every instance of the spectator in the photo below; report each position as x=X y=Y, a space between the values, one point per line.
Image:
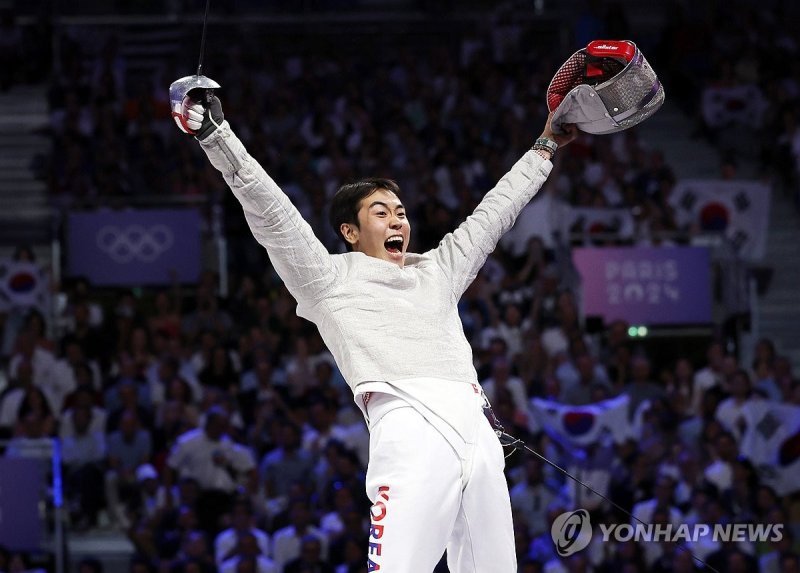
x=129 y=398
x=502 y=380
x=206 y=317
x=662 y=500
x=310 y=558
x=84 y=454
x=679 y=388
x=509 y=327
x=149 y=496
x=35 y=402
x=289 y=541
x=193 y=555
x=166 y=317
x=11 y=397
x=641 y=386
x=590 y=376
x=531 y=497
x=729 y=411
x=228 y=542
x=719 y=473
x=334 y=523
x=709 y=375
x=44 y=371
x=165 y=375
x=128 y=375
x=67 y=368
x=129 y=448
x=284 y=466
x=218 y=464
x=220 y=372
x=86 y=335
x=170 y=533
x=83 y=399
x=322 y=427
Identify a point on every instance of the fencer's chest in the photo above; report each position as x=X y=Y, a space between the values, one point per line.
x=388 y=289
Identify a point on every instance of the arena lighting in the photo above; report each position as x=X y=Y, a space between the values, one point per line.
x=637 y=331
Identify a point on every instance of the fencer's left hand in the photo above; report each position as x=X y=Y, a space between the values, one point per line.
x=570 y=132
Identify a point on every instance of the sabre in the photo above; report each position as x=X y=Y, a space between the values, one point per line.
x=179 y=89
x=509 y=441
x=203 y=39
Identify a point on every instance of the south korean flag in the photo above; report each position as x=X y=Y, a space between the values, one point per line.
x=737 y=209
x=23 y=285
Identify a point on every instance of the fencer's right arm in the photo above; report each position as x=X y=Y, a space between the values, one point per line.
x=302 y=262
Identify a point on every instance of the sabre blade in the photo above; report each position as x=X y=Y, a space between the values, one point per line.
x=203 y=39
x=509 y=440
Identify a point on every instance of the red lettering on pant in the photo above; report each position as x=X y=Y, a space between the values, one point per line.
x=377 y=513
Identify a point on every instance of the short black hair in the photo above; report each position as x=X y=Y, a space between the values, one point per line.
x=347 y=200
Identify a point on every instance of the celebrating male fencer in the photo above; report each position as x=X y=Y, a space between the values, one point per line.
x=389 y=317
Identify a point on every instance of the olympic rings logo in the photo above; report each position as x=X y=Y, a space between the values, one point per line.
x=135 y=242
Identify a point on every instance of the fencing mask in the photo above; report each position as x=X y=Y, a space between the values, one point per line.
x=606 y=87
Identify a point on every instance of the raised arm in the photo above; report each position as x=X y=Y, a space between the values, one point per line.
x=462 y=253
x=302 y=262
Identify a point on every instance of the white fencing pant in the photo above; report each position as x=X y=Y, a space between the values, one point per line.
x=426 y=499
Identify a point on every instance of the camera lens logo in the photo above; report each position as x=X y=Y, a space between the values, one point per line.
x=135 y=242
x=571 y=531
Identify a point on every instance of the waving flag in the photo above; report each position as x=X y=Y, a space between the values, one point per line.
x=582 y=425
x=733 y=105
x=771 y=441
x=737 y=209
x=23 y=285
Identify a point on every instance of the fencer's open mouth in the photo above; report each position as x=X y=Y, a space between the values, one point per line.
x=394 y=244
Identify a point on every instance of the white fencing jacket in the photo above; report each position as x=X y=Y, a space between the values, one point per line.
x=390 y=329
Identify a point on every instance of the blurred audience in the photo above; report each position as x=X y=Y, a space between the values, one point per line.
x=217 y=433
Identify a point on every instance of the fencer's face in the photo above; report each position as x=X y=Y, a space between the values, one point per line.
x=383 y=230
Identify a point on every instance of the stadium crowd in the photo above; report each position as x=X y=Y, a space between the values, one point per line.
x=217 y=432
